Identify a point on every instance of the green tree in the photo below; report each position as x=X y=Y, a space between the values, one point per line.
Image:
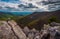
x=52 y=19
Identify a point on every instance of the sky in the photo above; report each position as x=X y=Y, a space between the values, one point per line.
x=9 y=0
x=26 y=5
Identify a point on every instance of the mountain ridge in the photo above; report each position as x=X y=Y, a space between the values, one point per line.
x=38 y=19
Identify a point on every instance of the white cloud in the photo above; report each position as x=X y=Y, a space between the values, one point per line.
x=13 y=7
x=34 y=2
x=3 y=4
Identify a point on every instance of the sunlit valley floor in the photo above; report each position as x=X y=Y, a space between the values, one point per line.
x=38 y=25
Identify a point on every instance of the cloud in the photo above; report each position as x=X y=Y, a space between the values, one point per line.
x=45 y=7
x=14 y=7
x=27 y=5
x=8 y=6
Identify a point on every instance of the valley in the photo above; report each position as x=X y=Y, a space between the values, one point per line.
x=34 y=20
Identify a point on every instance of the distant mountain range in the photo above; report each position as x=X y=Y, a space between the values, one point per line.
x=34 y=19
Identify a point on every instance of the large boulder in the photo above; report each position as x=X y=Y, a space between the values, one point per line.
x=6 y=31
x=17 y=30
x=10 y=30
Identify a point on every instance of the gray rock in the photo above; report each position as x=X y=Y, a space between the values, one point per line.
x=34 y=30
x=37 y=35
x=5 y=31
x=31 y=35
x=17 y=30
x=26 y=30
x=55 y=24
x=10 y=30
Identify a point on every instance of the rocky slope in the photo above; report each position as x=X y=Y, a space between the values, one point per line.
x=10 y=30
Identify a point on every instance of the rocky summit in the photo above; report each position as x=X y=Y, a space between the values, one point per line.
x=11 y=30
